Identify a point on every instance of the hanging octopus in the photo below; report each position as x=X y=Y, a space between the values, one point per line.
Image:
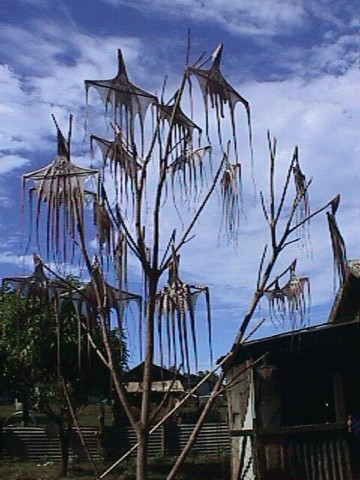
x=175 y=304
x=337 y=243
x=302 y=198
x=231 y=199
x=189 y=171
x=61 y=185
x=215 y=87
x=292 y=300
x=123 y=165
x=127 y=100
x=37 y=286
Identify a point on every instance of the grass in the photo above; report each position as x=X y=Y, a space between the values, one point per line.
x=196 y=468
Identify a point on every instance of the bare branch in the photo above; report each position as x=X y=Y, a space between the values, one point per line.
x=255 y=329
x=163 y=172
x=198 y=212
x=264 y=208
x=272 y=149
x=170 y=242
x=309 y=217
x=284 y=272
x=290 y=242
x=120 y=223
x=286 y=185
x=130 y=241
x=120 y=389
x=261 y=266
x=77 y=426
x=165 y=397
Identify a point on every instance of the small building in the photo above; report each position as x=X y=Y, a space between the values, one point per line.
x=167 y=388
x=294 y=399
x=163 y=380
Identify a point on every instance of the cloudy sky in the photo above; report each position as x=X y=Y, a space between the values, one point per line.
x=295 y=61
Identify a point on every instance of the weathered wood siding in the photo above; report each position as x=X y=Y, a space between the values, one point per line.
x=307 y=456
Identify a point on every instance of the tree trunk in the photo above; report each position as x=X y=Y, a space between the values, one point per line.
x=25 y=402
x=64 y=435
x=144 y=427
x=142 y=455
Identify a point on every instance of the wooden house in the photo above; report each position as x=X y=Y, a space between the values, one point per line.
x=167 y=387
x=293 y=399
x=163 y=380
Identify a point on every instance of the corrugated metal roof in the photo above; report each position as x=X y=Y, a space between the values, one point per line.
x=336 y=335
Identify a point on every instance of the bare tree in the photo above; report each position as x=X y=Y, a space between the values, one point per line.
x=290 y=299
x=156 y=156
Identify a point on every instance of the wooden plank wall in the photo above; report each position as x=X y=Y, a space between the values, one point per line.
x=310 y=457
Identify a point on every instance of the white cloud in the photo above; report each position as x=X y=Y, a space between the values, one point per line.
x=25 y=265
x=51 y=86
x=24 y=261
x=246 y=17
x=249 y=17
x=319 y=114
x=11 y=162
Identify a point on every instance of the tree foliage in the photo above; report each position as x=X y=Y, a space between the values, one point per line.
x=36 y=365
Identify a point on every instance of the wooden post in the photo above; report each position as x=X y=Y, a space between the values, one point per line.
x=339 y=398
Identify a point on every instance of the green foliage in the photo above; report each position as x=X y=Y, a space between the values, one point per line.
x=27 y=340
x=28 y=353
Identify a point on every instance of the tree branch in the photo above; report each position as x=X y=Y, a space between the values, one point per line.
x=198 y=212
x=286 y=185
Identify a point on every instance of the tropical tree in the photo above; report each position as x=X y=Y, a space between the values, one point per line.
x=39 y=363
x=25 y=346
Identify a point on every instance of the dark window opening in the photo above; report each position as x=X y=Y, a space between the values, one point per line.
x=307 y=395
x=350 y=376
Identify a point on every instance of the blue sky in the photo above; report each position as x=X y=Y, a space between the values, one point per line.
x=296 y=62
